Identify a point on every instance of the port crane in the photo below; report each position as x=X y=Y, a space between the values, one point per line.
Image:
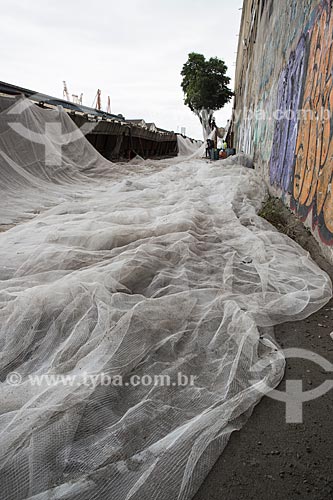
x=75 y=98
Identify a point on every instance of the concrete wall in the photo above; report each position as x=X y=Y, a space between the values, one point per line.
x=284 y=103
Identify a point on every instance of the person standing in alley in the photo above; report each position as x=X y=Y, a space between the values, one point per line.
x=210 y=146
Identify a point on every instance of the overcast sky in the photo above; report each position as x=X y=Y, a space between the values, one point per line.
x=133 y=50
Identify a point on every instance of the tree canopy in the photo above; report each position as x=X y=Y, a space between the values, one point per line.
x=205 y=83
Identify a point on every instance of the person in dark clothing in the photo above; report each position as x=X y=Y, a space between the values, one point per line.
x=210 y=146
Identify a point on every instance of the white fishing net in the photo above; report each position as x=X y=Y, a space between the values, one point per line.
x=187 y=146
x=147 y=269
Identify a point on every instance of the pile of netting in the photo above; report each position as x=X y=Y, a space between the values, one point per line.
x=136 y=314
x=187 y=146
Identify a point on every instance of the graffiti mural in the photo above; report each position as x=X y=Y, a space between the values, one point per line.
x=301 y=162
x=285 y=132
x=312 y=185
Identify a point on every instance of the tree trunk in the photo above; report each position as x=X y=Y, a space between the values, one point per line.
x=205 y=116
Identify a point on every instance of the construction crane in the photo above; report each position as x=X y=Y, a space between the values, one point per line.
x=65 y=91
x=76 y=99
x=108 y=108
x=97 y=101
x=99 y=104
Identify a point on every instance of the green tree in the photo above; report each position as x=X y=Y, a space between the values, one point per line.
x=205 y=87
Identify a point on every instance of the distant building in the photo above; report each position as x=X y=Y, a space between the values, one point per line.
x=152 y=127
x=138 y=122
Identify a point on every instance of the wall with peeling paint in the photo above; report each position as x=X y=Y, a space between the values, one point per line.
x=284 y=104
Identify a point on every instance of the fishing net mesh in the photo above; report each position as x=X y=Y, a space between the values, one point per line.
x=148 y=271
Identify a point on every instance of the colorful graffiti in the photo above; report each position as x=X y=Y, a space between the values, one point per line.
x=285 y=132
x=312 y=186
x=301 y=162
